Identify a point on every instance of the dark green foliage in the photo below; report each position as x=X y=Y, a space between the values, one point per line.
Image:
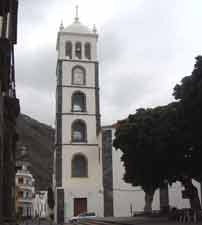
x=189 y=94
x=143 y=139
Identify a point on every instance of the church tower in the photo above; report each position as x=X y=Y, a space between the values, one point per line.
x=78 y=154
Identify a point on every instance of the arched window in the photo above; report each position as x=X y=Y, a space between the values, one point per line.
x=78 y=75
x=79 y=166
x=79 y=133
x=68 y=49
x=87 y=51
x=78 y=50
x=78 y=102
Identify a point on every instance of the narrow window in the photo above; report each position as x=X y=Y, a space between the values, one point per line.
x=78 y=75
x=78 y=50
x=79 y=131
x=68 y=50
x=87 y=51
x=78 y=102
x=79 y=166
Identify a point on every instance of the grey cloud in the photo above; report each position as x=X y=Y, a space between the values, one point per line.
x=37 y=70
x=142 y=53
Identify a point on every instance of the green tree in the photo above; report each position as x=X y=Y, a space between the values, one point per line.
x=189 y=95
x=144 y=138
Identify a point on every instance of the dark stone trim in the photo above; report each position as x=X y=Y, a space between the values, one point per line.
x=76 y=86
x=77 y=114
x=97 y=98
x=80 y=144
x=79 y=61
x=58 y=169
x=77 y=34
x=60 y=206
x=107 y=172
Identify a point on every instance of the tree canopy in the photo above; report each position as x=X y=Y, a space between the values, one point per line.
x=164 y=143
x=189 y=95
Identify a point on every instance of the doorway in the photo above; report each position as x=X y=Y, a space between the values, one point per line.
x=80 y=205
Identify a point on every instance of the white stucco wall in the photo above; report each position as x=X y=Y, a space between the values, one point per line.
x=94 y=202
x=67 y=97
x=125 y=195
x=175 y=196
x=90 y=122
x=67 y=67
x=63 y=38
x=86 y=187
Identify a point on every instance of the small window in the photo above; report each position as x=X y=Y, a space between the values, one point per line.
x=78 y=50
x=20 y=180
x=87 y=51
x=79 y=131
x=78 y=102
x=68 y=50
x=79 y=166
x=78 y=75
x=20 y=194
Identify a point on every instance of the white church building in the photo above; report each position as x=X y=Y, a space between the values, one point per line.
x=87 y=170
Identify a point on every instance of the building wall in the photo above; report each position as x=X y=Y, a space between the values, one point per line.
x=89 y=187
x=25 y=192
x=90 y=73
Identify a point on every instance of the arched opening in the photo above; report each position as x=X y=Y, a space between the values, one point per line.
x=79 y=166
x=78 y=102
x=78 y=75
x=78 y=50
x=87 y=50
x=79 y=133
x=68 y=49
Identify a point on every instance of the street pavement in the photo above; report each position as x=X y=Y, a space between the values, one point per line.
x=114 y=221
x=132 y=221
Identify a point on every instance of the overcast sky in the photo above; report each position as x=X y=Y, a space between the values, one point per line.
x=145 y=48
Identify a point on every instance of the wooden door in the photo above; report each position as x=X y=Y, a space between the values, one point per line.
x=80 y=205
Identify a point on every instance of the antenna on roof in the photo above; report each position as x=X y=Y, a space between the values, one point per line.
x=77 y=12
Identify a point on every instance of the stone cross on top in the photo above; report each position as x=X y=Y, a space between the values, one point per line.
x=77 y=12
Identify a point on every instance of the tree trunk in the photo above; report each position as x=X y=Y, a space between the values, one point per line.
x=149 y=195
x=164 y=198
x=192 y=194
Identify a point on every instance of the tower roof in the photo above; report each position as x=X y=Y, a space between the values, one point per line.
x=77 y=27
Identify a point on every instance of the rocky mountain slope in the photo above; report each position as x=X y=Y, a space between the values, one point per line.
x=39 y=140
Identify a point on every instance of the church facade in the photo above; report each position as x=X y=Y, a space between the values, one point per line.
x=88 y=171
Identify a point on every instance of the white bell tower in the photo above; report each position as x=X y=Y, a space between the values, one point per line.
x=78 y=153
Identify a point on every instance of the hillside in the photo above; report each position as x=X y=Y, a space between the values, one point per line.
x=39 y=139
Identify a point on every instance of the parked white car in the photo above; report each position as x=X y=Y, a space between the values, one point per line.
x=87 y=215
